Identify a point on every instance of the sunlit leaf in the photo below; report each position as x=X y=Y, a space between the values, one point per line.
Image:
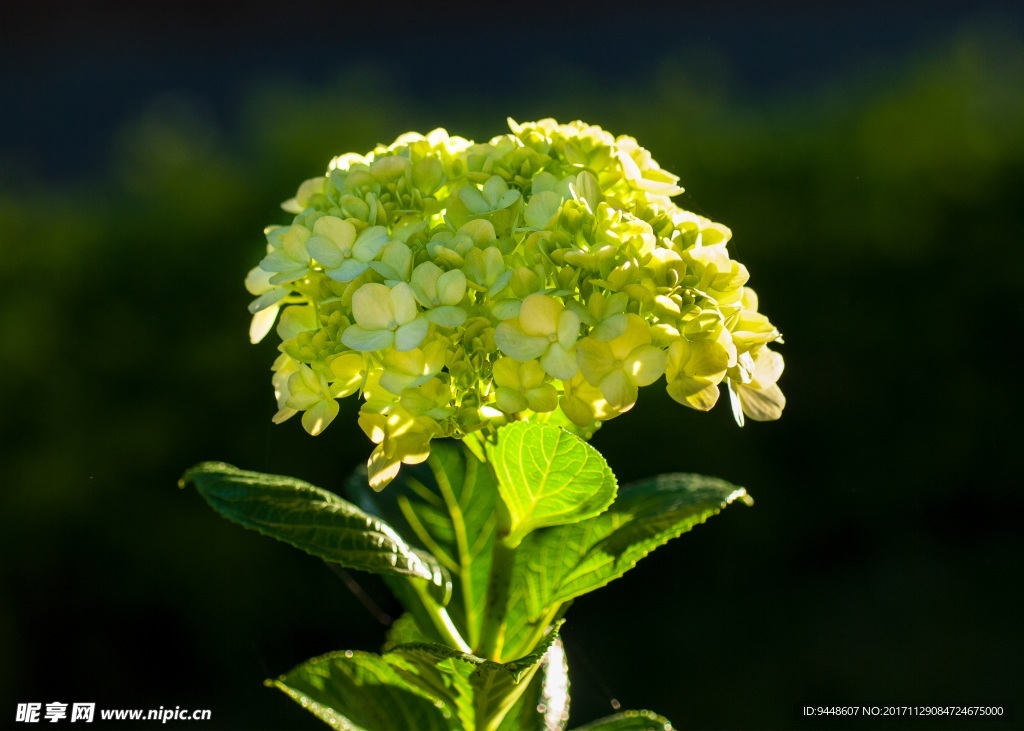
x=547 y=476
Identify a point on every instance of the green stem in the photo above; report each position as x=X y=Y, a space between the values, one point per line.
x=492 y=630
x=440 y=619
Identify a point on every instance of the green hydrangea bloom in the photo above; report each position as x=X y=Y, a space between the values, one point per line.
x=545 y=274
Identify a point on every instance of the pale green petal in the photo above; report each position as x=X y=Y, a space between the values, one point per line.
x=538 y=315
x=768 y=366
x=388 y=272
x=261 y=324
x=368 y=245
x=637 y=333
x=568 y=328
x=541 y=209
x=494 y=189
x=510 y=400
x=734 y=402
x=318 y=418
x=587 y=189
x=531 y=374
x=325 y=251
x=411 y=334
x=283 y=415
x=307 y=190
x=619 y=389
x=451 y=287
x=697 y=393
x=361 y=339
x=268 y=299
x=257 y=281
x=289 y=275
x=424 y=282
x=610 y=328
x=294 y=243
x=447 y=316
x=473 y=199
x=506 y=309
x=348 y=373
x=762 y=404
x=296 y=319
x=513 y=341
x=505 y=372
x=480 y=230
x=301 y=398
x=349 y=270
x=579 y=411
x=373 y=237
x=707 y=358
x=595 y=359
x=342 y=233
x=543 y=398
x=397 y=256
x=559 y=362
x=403 y=305
x=278 y=261
x=645 y=364
x=507 y=199
x=396 y=382
x=381 y=469
x=371 y=307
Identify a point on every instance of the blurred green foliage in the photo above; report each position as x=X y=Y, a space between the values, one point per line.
x=879 y=216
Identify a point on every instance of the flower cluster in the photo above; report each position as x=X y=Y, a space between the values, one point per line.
x=545 y=275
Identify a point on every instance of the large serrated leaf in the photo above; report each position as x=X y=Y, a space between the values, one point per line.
x=444 y=680
x=629 y=721
x=446 y=506
x=433 y=652
x=360 y=691
x=544 y=706
x=314 y=520
x=547 y=477
x=557 y=564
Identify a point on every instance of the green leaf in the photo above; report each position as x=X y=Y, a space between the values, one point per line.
x=557 y=564
x=444 y=680
x=433 y=652
x=629 y=721
x=547 y=476
x=544 y=706
x=363 y=691
x=314 y=520
x=446 y=506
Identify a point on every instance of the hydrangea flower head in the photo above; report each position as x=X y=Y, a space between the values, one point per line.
x=545 y=275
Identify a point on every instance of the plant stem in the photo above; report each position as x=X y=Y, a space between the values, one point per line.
x=439 y=617
x=492 y=631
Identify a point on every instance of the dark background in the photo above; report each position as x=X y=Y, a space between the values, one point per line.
x=869 y=158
